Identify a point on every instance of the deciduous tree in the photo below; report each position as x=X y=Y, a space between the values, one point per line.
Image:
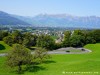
x=19 y=56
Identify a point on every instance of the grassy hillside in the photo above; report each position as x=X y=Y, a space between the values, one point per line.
x=89 y=62
x=4 y=47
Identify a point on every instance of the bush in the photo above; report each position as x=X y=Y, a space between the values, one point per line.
x=41 y=55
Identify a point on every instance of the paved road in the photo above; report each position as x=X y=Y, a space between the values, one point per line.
x=62 y=51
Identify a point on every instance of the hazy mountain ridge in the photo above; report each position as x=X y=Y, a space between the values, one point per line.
x=71 y=21
x=63 y=20
x=51 y=20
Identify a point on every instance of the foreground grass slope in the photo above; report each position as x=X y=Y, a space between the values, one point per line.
x=4 y=47
x=89 y=62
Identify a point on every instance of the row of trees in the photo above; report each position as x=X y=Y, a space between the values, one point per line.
x=27 y=39
x=79 y=38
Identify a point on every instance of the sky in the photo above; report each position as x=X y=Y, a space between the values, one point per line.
x=35 y=7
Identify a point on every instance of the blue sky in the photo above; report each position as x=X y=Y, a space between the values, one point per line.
x=35 y=7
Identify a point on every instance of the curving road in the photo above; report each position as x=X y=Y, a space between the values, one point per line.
x=61 y=51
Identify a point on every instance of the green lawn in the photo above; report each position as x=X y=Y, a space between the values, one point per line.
x=4 y=47
x=89 y=62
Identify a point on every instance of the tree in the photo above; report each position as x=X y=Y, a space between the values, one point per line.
x=8 y=40
x=89 y=37
x=66 y=41
x=78 y=32
x=29 y=39
x=77 y=41
x=41 y=55
x=3 y=34
x=45 y=41
x=96 y=35
x=17 y=37
x=19 y=56
x=89 y=40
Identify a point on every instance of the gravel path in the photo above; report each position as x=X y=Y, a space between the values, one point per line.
x=62 y=51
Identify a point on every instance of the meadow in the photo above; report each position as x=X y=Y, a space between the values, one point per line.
x=61 y=64
x=4 y=47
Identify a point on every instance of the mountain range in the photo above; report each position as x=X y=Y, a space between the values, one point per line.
x=53 y=20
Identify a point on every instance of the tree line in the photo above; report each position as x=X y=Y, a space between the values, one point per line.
x=27 y=39
x=79 y=38
x=76 y=38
